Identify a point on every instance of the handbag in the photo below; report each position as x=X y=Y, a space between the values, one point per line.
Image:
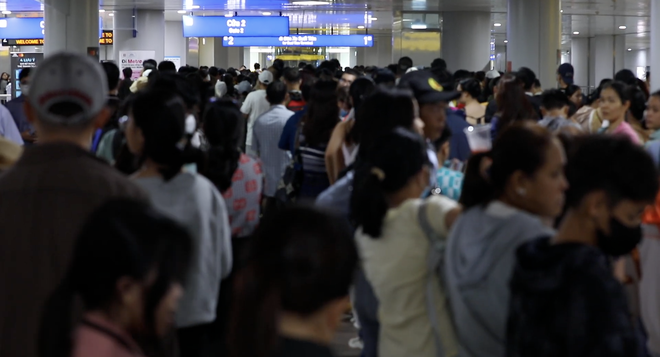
x=289 y=186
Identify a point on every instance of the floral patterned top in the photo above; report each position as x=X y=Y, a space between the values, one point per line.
x=243 y=198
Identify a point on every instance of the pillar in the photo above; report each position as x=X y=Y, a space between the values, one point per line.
x=534 y=35
x=610 y=55
x=466 y=40
x=70 y=25
x=580 y=60
x=140 y=30
x=655 y=45
x=620 y=53
x=226 y=57
x=207 y=51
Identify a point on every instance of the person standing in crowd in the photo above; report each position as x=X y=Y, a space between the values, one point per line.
x=293 y=80
x=565 y=300
x=386 y=205
x=470 y=91
x=110 y=128
x=574 y=94
x=257 y=67
x=293 y=291
x=128 y=265
x=527 y=77
x=652 y=122
x=507 y=195
x=236 y=175
x=342 y=149
x=512 y=104
x=635 y=115
x=348 y=77
x=4 y=82
x=590 y=114
x=315 y=130
x=16 y=108
x=256 y=104
x=58 y=172
x=266 y=136
x=126 y=83
x=449 y=181
x=614 y=105
x=565 y=74
x=554 y=106
x=8 y=129
x=155 y=134
x=290 y=132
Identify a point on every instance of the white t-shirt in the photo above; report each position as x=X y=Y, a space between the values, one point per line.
x=255 y=104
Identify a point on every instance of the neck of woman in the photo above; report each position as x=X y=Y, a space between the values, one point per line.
x=149 y=169
x=307 y=328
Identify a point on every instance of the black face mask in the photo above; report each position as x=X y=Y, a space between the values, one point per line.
x=621 y=240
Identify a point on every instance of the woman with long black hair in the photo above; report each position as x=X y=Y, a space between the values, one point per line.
x=293 y=290
x=127 y=267
x=156 y=134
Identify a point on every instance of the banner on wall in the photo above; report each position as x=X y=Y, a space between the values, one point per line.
x=174 y=59
x=134 y=61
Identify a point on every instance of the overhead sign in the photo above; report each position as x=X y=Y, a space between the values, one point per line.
x=301 y=41
x=14 y=28
x=107 y=38
x=23 y=42
x=218 y=26
x=20 y=61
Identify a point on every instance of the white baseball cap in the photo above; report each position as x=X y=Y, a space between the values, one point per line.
x=68 y=77
x=266 y=77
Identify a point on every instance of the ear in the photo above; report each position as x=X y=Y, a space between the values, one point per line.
x=335 y=310
x=127 y=290
x=596 y=204
x=543 y=111
x=518 y=180
x=102 y=118
x=626 y=105
x=30 y=113
x=565 y=111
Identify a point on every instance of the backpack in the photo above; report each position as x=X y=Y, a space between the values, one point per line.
x=435 y=262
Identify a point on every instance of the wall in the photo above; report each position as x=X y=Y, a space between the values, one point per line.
x=379 y=55
x=175 y=43
x=207 y=51
x=150 y=32
x=637 y=58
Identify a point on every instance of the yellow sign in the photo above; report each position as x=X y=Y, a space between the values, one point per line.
x=107 y=38
x=33 y=42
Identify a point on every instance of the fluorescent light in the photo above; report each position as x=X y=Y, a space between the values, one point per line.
x=361 y=27
x=6 y=12
x=418 y=26
x=181 y=11
x=229 y=15
x=101 y=10
x=630 y=49
x=506 y=41
x=561 y=10
x=311 y=3
x=622 y=27
x=111 y=14
x=373 y=18
x=266 y=13
x=497 y=24
x=195 y=6
x=576 y=32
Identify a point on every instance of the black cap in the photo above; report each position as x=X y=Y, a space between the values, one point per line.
x=566 y=71
x=426 y=88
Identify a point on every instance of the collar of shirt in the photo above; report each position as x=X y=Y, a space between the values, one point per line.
x=51 y=152
x=655 y=135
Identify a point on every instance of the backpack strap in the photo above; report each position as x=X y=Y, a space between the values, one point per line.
x=434 y=261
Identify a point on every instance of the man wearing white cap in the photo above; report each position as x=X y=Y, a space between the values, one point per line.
x=256 y=104
x=49 y=193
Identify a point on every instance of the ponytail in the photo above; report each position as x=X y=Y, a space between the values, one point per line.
x=477 y=189
x=368 y=202
x=223 y=127
x=222 y=162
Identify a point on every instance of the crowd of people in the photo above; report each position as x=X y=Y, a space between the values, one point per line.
x=202 y=212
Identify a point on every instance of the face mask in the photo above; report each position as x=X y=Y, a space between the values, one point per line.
x=25 y=89
x=621 y=240
x=343 y=113
x=191 y=124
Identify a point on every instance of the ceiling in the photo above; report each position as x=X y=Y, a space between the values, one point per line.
x=581 y=18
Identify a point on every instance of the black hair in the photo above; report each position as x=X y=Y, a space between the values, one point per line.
x=128 y=72
x=439 y=64
x=112 y=74
x=527 y=77
x=352 y=72
x=292 y=75
x=443 y=139
x=571 y=89
x=179 y=85
x=276 y=92
x=302 y=65
x=460 y=75
x=480 y=76
x=595 y=95
x=513 y=103
x=520 y=147
x=213 y=71
x=359 y=89
x=322 y=114
x=620 y=88
x=279 y=64
x=383 y=77
x=637 y=102
x=393 y=160
x=223 y=128
x=24 y=73
x=537 y=83
x=161 y=116
x=393 y=68
x=121 y=238
x=554 y=99
x=306 y=87
x=472 y=87
x=616 y=165
x=167 y=67
x=626 y=76
x=299 y=260
x=404 y=64
x=257 y=66
x=379 y=113
x=336 y=63
x=149 y=64
x=229 y=82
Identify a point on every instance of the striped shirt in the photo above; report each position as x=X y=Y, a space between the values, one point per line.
x=266 y=135
x=315 y=175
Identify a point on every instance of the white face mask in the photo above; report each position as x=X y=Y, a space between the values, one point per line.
x=25 y=89
x=191 y=124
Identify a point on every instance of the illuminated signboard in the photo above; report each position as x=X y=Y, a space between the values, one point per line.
x=107 y=38
x=14 y=28
x=218 y=26
x=23 y=42
x=301 y=41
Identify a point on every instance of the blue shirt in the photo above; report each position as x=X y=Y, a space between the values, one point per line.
x=15 y=107
x=288 y=138
x=458 y=144
x=337 y=197
x=8 y=128
x=266 y=134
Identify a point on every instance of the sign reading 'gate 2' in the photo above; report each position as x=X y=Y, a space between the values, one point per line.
x=219 y=26
x=301 y=41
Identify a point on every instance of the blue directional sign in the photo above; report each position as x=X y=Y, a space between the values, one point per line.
x=26 y=28
x=301 y=41
x=218 y=26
